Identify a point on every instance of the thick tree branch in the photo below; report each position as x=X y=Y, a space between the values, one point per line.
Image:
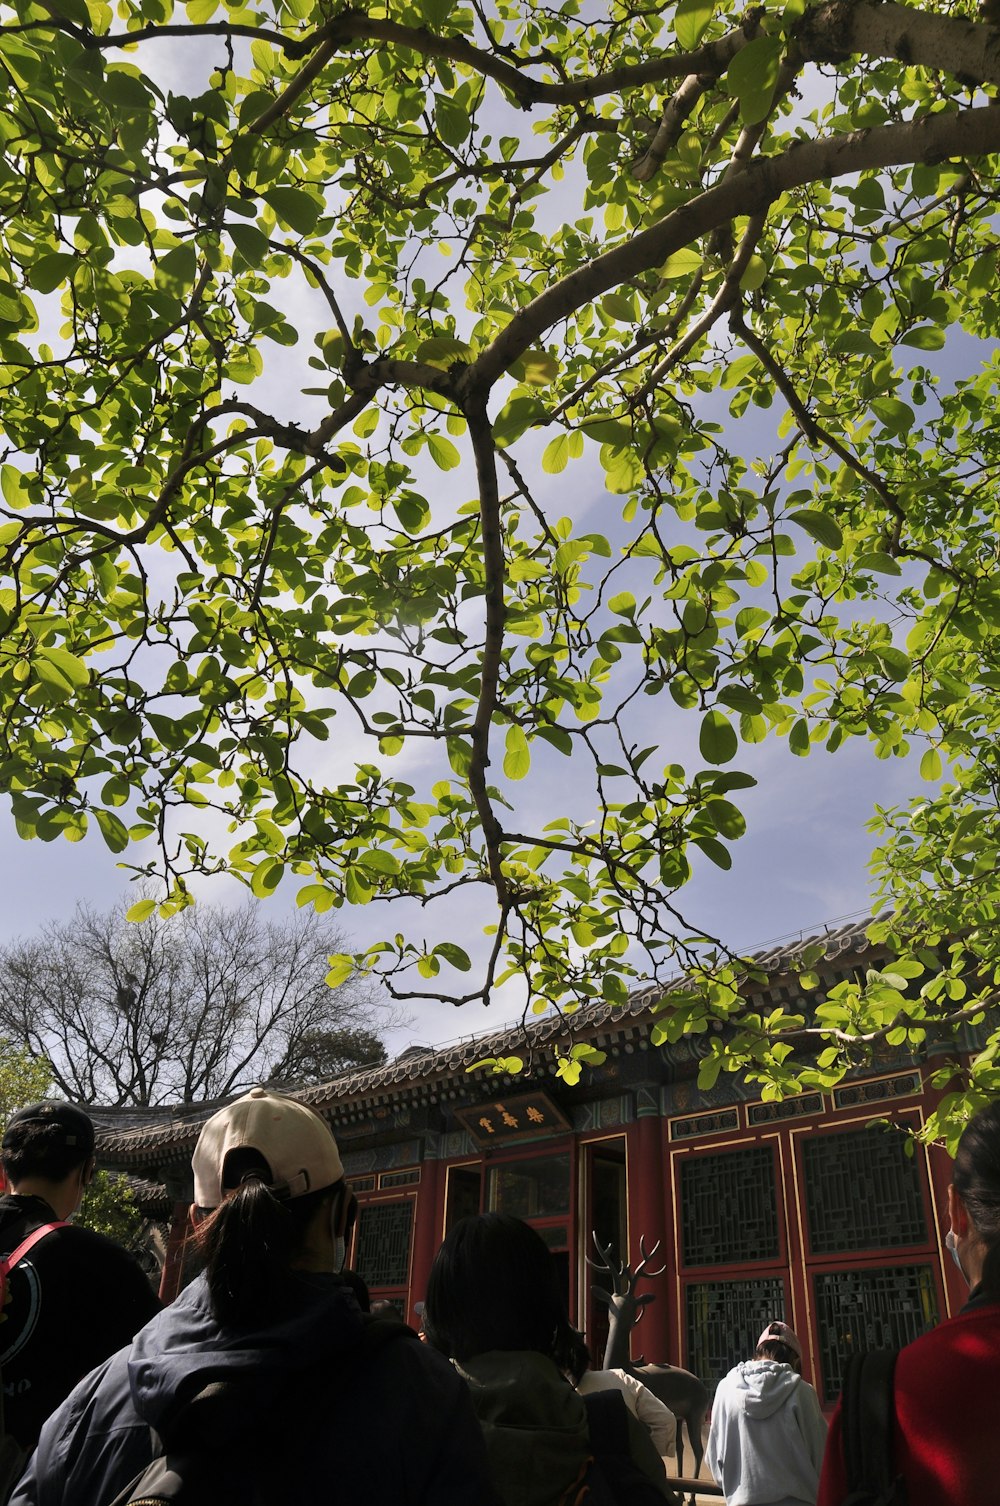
x=931 y=137
x=484 y=449
x=965 y=48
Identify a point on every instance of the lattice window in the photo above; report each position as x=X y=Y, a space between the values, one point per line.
x=729 y=1211
x=383 y=1249
x=724 y=1321
x=875 y=1309
x=535 y=1188
x=862 y=1192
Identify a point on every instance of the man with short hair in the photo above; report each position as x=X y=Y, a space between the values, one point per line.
x=75 y=1297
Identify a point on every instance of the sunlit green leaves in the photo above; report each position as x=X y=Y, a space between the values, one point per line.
x=254 y=565
x=752 y=76
x=691 y=21
x=517 y=758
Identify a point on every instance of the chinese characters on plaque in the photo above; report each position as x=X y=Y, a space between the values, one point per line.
x=519 y=1118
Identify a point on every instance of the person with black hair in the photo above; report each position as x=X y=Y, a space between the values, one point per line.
x=264 y=1377
x=765 y=1443
x=74 y=1297
x=495 y=1308
x=945 y=1438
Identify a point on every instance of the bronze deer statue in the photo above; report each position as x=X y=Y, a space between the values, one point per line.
x=682 y=1392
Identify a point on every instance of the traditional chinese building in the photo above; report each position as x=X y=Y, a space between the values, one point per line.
x=803 y=1209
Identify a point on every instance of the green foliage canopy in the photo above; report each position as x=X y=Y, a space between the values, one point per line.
x=288 y=352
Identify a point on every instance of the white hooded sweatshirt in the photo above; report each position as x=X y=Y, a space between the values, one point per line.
x=765 y=1445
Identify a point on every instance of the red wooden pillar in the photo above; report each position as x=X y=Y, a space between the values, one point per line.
x=429 y=1220
x=647 y=1220
x=172 y=1275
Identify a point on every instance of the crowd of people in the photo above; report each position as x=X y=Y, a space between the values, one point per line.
x=269 y=1379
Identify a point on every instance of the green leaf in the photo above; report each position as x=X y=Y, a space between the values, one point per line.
x=752 y=75
x=555 y=456
x=12 y=310
x=45 y=274
x=295 y=208
x=517 y=757
x=755 y=274
x=925 y=337
x=895 y=416
x=536 y=368
x=126 y=91
x=930 y=765
x=443 y=352
x=691 y=21
x=249 y=241
x=720 y=855
x=820 y=526
x=444 y=454
x=717 y=740
x=686 y=263
x=114 y=831
x=452 y=121
x=455 y=955
x=266 y=877
x=141 y=910
x=341 y=968
x=58 y=667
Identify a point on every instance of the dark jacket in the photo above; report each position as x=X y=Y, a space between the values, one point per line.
x=342 y=1420
x=71 y=1302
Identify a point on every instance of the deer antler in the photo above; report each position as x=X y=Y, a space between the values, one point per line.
x=613 y=1267
x=647 y=1256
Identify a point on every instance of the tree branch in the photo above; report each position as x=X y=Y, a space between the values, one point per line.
x=945 y=134
x=484 y=450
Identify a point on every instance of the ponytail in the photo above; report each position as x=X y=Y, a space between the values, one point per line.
x=248 y=1244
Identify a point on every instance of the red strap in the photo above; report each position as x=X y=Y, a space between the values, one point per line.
x=7 y=1262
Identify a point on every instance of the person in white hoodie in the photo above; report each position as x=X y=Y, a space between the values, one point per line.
x=765 y=1444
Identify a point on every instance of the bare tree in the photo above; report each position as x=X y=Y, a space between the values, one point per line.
x=190 y=1008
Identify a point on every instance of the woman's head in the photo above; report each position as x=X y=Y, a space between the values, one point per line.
x=494 y=1285
x=269 y=1196
x=781 y=1343
x=975 y=1201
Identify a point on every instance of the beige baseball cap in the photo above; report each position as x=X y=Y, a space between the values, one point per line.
x=294 y=1141
x=778 y=1332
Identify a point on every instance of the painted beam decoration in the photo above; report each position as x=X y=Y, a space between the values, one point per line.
x=520 y=1118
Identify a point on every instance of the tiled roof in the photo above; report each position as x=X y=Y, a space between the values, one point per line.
x=140 y=1133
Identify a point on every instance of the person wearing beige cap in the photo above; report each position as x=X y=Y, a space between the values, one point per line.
x=766 y=1440
x=264 y=1383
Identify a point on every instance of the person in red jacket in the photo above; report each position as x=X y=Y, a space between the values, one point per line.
x=946 y=1438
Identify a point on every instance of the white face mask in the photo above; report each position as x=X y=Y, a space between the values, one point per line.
x=951 y=1242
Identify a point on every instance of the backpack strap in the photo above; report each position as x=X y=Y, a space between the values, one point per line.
x=607 y=1421
x=868 y=1415
x=8 y=1262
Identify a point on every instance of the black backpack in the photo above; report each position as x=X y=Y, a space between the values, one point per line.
x=867 y=1413
x=612 y=1477
x=191 y=1467
x=12 y=1456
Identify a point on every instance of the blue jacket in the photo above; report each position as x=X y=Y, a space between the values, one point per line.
x=399 y=1426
